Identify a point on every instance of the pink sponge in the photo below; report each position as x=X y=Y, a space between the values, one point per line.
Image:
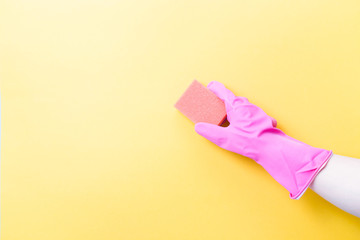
x=200 y=104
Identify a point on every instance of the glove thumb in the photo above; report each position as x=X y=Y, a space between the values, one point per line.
x=213 y=133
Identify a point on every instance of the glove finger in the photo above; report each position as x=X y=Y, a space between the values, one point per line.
x=213 y=133
x=274 y=122
x=226 y=95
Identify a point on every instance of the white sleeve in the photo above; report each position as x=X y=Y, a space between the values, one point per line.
x=339 y=183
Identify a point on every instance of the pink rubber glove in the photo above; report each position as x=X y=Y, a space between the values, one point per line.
x=253 y=133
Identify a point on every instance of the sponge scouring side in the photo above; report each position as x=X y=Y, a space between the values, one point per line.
x=199 y=104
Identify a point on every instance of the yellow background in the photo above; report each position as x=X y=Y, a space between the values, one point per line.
x=92 y=147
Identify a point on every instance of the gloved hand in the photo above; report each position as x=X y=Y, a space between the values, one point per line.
x=253 y=133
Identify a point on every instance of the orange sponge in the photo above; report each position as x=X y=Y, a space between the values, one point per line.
x=200 y=104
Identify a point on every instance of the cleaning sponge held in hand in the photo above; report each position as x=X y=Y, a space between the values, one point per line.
x=200 y=104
